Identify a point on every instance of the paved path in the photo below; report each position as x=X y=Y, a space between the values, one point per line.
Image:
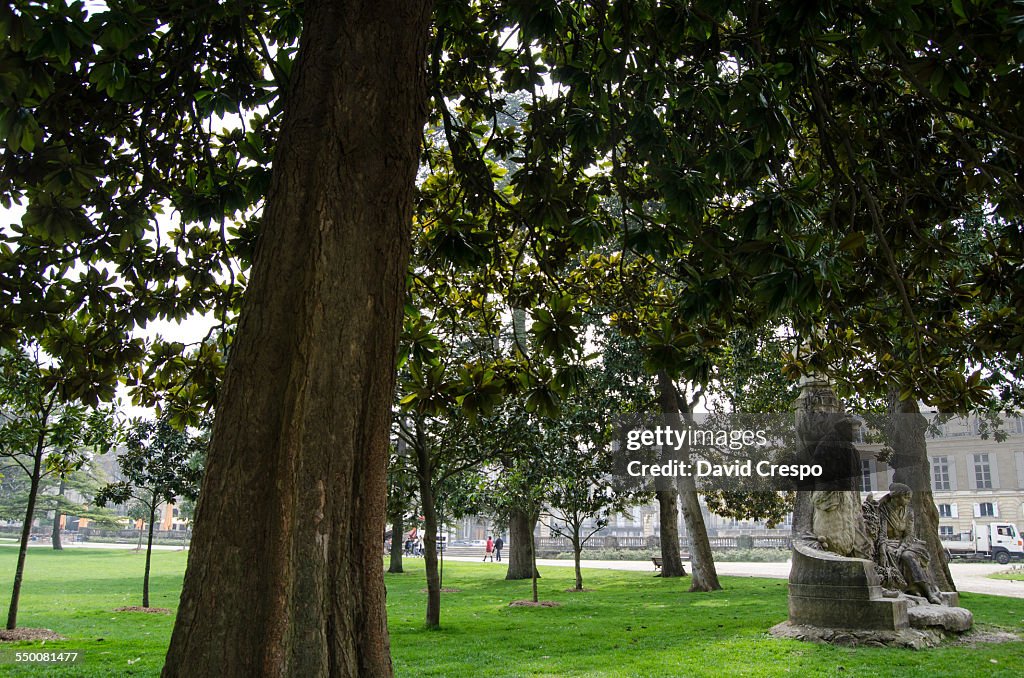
x=971 y=577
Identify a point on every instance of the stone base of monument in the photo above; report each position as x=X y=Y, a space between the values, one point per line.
x=939 y=617
x=916 y=639
x=839 y=600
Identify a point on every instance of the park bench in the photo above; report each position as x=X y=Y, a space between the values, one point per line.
x=657 y=561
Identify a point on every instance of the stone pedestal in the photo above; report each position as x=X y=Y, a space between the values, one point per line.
x=828 y=590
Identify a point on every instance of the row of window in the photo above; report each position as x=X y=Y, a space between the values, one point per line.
x=985 y=509
x=960 y=427
x=942 y=476
x=943 y=473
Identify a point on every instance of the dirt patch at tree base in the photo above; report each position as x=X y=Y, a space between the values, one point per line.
x=530 y=603
x=147 y=610
x=16 y=635
x=576 y=590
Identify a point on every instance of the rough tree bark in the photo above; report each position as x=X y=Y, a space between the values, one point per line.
x=300 y=443
x=912 y=468
x=702 y=562
x=668 y=515
x=520 y=547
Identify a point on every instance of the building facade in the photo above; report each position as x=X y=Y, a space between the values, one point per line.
x=974 y=477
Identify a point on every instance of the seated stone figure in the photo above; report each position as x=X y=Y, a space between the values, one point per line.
x=901 y=559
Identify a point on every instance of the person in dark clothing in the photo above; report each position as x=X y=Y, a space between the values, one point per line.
x=498 y=544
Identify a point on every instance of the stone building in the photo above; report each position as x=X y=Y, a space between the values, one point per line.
x=974 y=478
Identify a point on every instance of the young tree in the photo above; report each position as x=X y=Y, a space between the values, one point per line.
x=43 y=435
x=575 y=498
x=158 y=467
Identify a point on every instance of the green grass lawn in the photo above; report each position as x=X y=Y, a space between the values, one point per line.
x=1013 y=575
x=629 y=624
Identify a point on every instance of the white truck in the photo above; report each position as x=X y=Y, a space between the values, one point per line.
x=999 y=541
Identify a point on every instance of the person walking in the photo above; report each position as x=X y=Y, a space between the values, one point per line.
x=499 y=543
x=489 y=550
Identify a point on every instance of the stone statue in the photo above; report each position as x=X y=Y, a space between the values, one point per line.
x=901 y=559
x=846 y=555
x=836 y=523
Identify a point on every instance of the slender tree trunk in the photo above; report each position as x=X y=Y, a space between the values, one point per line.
x=577 y=549
x=912 y=468
x=425 y=475
x=702 y=561
x=55 y=534
x=149 y=553
x=55 y=531
x=520 y=546
x=300 y=443
x=533 y=568
x=26 y=534
x=668 y=514
x=397 y=532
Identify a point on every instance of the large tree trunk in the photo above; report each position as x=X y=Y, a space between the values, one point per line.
x=520 y=547
x=912 y=468
x=149 y=553
x=300 y=443
x=26 y=533
x=397 y=545
x=668 y=515
x=702 y=562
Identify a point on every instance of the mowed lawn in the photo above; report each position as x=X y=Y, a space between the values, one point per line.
x=627 y=624
x=1012 y=575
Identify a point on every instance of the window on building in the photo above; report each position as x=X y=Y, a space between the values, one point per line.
x=940 y=473
x=945 y=511
x=982 y=472
x=945 y=530
x=986 y=509
x=865 y=475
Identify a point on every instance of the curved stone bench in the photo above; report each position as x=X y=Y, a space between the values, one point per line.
x=829 y=590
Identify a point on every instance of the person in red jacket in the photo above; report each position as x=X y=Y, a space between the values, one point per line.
x=489 y=550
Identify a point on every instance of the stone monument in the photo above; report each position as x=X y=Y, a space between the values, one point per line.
x=858 y=576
